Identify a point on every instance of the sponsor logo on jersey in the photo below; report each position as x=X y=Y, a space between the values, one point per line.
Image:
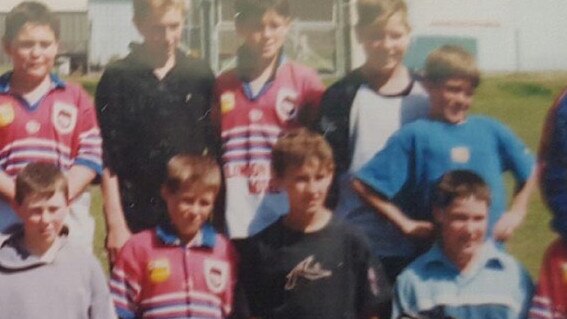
x=216 y=275
x=286 y=104
x=307 y=269
x=159 y=270
x=7 y=114
x=227 y=102
x=460 y=154
x=33 y=127
x=64 y=117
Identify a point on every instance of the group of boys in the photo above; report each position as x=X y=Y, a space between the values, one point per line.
x=164 y=121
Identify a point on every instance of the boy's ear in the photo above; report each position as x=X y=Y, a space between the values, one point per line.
x=438 y=215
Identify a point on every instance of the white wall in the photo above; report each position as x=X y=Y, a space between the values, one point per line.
x=111 y=30
x=512 y=35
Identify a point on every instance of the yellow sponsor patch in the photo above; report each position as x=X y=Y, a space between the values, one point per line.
x=159 y=270
x=227 y=102
x=7 y=114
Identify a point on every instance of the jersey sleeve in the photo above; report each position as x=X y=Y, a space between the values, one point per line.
x=313 y=90
x=515 y=154
x=107 y=101
x=229 y=295
x=126 y=282
x=403 y=303
x=388 y=171
x=89 y=140
x=373 y=290
x=549 y=298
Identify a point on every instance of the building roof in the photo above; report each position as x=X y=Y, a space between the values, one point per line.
x=54 y=5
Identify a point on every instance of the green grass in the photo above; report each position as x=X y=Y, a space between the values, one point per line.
x=519 y=100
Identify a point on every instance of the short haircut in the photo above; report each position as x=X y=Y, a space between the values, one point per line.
x=450 y=61
x=41 y=180
x=144 y=8
x=33 y=13
x=458 y=184
x=378 y=12
x=201 y=173
x=247 y=10
x=299 y=146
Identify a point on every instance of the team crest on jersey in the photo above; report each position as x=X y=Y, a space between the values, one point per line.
x=159 y=270
x=216 y=275
x=7 y=114
x=255 y=115
x=286 y=106
x=64 y=117
x=460 y=154
x=227 y=102
x=33 y=127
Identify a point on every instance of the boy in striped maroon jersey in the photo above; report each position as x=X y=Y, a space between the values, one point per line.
x=181 y=268
x=45 y=119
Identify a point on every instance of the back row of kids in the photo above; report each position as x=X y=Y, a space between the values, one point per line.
x=155 y=104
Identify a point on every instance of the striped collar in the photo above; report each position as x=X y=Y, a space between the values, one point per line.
x=206 y=237
x=56 y=81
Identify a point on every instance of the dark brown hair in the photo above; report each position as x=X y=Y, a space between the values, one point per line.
x=298 y=146
x=30 y=12
x=42 y=180
x=460 y=184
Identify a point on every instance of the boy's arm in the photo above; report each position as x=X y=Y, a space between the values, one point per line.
x=116 y=227
x=518 y=210
x=384 y=207
x=78 y=178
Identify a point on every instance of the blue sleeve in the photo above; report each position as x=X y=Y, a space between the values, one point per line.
x=515 y=155
x=388 y=171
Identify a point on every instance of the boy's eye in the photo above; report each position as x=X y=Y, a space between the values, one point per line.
x=25 y=44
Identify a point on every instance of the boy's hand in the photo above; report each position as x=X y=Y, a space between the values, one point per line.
x=506 y=226
x=418 y=229
x=115 y=239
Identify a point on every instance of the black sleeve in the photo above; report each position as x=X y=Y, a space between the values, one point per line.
x=107 y=103
x=374 y=291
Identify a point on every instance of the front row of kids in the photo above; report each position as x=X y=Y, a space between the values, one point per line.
x=308 y=264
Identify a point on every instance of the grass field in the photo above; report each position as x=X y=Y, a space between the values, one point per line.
x=519 y=100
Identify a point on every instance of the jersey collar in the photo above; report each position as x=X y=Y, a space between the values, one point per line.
x=205 y=238
x=56 y=82
x=490 y=257
x=243 y=55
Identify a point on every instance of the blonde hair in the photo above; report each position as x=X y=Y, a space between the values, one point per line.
x=450 y=61
x=200 y=173
x=297 y=147
x=144 y=8
x=378 y=12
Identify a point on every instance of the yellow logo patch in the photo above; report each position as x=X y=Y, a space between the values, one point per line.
x=7 y=114
x=159 y=270
x=227 y=102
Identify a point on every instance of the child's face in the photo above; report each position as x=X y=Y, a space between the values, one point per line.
x=188 y=209
x=162 y=32
x=451 y=99
x=43 y=217
x=385 y=47
x=463 y=227
x=33 y=51
x=307 y=186
x=265 y=36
